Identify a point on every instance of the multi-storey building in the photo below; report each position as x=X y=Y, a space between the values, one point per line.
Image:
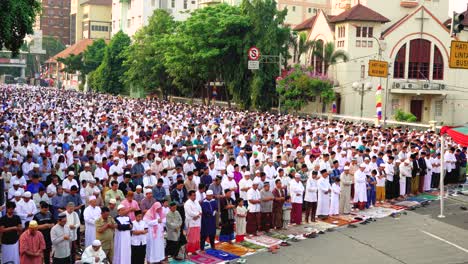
x=90 y=19
x=54 y=19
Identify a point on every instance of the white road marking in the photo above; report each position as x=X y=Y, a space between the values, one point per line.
x=443 y=240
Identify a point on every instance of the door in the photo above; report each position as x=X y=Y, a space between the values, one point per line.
x=416 y=109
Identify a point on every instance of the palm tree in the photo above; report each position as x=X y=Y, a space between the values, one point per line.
x=293 y=45
x=303 y=46
x=329 y=54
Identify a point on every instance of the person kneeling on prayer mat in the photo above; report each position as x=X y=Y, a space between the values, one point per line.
x=208 y=222
x=254 y=209
x=227 y=205
x=94 y=254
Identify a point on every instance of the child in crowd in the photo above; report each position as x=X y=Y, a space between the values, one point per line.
x=335 y=197
x=371 y=182
x=287 y=207
x=380 y=188
x=241 y=213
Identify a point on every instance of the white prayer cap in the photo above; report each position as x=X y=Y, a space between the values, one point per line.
x=366 y=158
x=92 y=180
x=362 y=165
x=242 y=151
x=158 y=159
x=86 y=165
x=299 y=149
x=247 y=173
x=121 y=153
x=36 y=165
x=96 y=243
x=209 y=192
x=71 y=173
x=297 y=175
x=289 y=149
x=190 y=158
x=16 y=182
x=407 y=161
x=343 y=152
x=382 y=165
x=120 y=207
x=116 y=158
x=231 y=175
x=256 y=181
x=138 y=187
x=346 y=168
x=148 y=191
x=92 y=197
x=17 y=194
x=14 y=159
x=283 y=162
x=112 y=201
x=27 y=194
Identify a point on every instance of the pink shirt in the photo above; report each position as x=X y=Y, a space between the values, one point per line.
x=132 y=204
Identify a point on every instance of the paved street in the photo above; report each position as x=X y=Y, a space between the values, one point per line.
x=416 y=238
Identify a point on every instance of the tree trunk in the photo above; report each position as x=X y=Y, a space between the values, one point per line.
x=208 y=91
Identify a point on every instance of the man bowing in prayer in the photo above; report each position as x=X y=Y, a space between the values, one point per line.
x=90 y=215
x=193 y=214
x=208 y=222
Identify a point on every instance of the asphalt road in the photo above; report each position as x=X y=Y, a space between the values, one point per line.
x=419 y=237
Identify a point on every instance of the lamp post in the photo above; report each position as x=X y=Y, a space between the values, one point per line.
x=382 y=47
x=362 y=88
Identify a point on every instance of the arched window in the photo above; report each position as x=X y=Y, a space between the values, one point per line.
x=438 y=65
x=419 y=59
x=399 y=65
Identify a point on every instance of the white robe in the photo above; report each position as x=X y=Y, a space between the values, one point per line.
x=335 y=199
x=89 y=255
x=360 y=189
x=311 y=190
x=90 y=216
x=323 y=203
x=155 y=245
x=23 y=209
x=122 y=243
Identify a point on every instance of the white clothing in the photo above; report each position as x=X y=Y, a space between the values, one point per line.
x=23 y=209
x=10 y=253
x=297 y=191
x=101 y=173
x=138 y=240
x=73 y=220
x=122 y=242
x=335 y=199
x=311 y=189
x=229 y=184
x=253 y=195
x=155 y=245
x=149 y=181
x=244 y=184
x=360 y=189
x=192 y=209
x=90 y=215
x=89 y=255
x=323 y=201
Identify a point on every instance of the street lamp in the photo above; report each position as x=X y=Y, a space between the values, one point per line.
x=362 y=88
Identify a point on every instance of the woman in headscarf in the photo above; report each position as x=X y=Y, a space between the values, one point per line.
x=155 y=220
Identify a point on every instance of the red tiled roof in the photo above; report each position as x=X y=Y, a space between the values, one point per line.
x=359 y=13
x=74 y=49
x=306 y=24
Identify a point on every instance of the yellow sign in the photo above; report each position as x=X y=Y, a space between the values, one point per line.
x=458 y=55
x=378 y=68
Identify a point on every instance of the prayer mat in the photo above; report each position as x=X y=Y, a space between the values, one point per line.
x=251 y=245
x=348 y=218
x=293 y=230
x=377 y=212
x=335 y=221
x=429 y=197
x=320 y=226
x=417 y=199
x=235 y=249
x=278 y=235
x=223 y=255
x=408 y=204
x=392 y=206
x=173 y=261
x=263 y=240
x=204 y=258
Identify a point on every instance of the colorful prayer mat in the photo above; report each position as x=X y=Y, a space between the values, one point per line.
x=173 y=261
x=293 y=230
x=377 y=212
x=320 y=226
x=418 y=199
x=348 y=218
x=429 y=197
x=277 y=235
x=335 y=221
x=393 y=206
x=235 y=249
x=251 y=245
x=223 y=255
x=408 y=204
x=204 y=258
x=263 y=240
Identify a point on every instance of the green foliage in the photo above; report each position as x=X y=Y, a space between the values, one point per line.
x=329 y=54
x=303 y=46
x=403 y=116
x=145 y=57
x=93 y=56
x=72 y=63
x=16 y=21
x=108 y=76
x=300 y=85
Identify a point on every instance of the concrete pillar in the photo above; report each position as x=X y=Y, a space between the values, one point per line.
x=433 y=123
x=23 y=72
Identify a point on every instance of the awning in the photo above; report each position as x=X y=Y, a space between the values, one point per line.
x=458 y=134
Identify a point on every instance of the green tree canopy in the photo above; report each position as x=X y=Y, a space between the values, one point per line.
x=16 y=21
x=93 y=56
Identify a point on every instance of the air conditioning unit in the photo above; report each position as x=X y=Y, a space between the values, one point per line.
x=398 y=85
x=428 y=86
x=411 y=86
x=442 y=86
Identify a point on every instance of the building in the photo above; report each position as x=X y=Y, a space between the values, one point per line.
x=300 y=10
x=411 y=37
x=90 y=19
x=54 y=19
x=131 y=15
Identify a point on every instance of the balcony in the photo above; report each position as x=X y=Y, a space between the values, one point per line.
x=409 y=3
x=406 y=87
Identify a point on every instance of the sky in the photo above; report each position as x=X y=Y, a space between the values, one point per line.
x=457 y=6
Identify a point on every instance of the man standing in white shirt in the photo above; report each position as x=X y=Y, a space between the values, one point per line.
x=193 y=214
x=297 y=192
x=254 y=214
x=244 y=186
x=310 y=197
x=26 y=208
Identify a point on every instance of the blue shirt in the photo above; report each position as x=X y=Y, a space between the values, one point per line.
x=34 y=187
x=159 y=193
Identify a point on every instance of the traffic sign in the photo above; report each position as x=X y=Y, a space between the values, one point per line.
x=254 y=53
x=458 y=55
x=378 y=68
x=253 y=65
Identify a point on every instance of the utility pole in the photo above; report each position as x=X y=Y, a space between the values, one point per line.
x=280 y=58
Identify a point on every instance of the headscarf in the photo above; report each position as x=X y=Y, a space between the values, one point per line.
x=153 y=214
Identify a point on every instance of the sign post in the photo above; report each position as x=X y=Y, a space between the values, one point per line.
x=378 y=68
x=458 y=55
x=254 y=55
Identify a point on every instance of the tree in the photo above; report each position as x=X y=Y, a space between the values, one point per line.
x=303 y=46
x=51 y=45
x=93 y=56
x=108 y=76
x=329 y=54
x=145 y=57
x=300 y=85
x=72 y=63
x=17 y=19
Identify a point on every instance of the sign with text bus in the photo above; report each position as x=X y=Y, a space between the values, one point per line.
x=458 y=55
